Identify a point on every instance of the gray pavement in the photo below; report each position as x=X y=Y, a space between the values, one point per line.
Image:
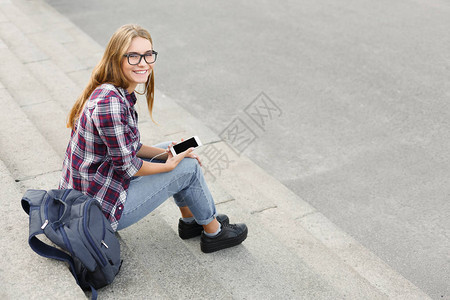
x=294 y=251
x=363 y=88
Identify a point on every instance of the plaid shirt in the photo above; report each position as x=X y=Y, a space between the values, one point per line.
x=101 y=156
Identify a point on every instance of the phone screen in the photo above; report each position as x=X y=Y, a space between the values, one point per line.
x=183 y=146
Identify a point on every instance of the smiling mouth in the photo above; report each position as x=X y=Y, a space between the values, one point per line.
x=140 y=72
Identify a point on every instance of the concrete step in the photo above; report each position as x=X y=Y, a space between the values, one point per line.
x=23 y=84
x=64 y=44
x=60 y=87
x=59 y=50
x=134 y=281
x=44 y=25
x=55 y=91
x=16 y=40
x=345 y=263
x=33 y=80
x=23 y=273
x=50 y=120
x=48 y=116
x=308 y=271
x=24 y=150
x=264 y=268
x=170 y=262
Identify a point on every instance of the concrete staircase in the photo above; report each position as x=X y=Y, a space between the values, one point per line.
x=292 y=251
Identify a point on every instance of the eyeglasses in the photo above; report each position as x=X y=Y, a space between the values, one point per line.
x=135 y=58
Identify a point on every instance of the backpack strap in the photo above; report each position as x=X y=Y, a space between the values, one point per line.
x=48 y=251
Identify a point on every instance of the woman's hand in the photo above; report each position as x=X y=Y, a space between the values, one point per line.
x=190 y=155
x=195 y=156
x=173 y=161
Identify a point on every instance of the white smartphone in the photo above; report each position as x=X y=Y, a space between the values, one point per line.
x=192 y=142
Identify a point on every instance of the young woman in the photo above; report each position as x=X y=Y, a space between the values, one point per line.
x=106 y=160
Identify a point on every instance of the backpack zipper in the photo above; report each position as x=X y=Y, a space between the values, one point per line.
x=63 y=232
x=103 y=236
x=45 y=211
x=88 y=235
x=44 y=225
x=104 y=244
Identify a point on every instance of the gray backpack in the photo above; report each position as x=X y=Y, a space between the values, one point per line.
x=75 y=223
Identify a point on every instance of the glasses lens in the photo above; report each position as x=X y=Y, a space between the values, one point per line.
x=133 y=59
x=150 y=58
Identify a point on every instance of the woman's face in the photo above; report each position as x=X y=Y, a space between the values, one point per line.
x=139 y=73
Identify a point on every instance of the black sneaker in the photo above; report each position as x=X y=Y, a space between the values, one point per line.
x=190 y=230
x=230 y=235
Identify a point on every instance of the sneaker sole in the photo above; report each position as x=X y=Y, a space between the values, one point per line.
x=213 y=247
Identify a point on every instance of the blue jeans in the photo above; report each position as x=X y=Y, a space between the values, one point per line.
x=185 y=183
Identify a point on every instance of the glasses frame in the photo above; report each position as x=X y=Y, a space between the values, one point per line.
x=140 y=58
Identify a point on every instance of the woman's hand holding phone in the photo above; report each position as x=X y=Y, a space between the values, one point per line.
x=173 y=161
x=184 y=154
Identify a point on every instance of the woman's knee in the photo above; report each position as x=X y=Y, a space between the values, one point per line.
x=191 y=164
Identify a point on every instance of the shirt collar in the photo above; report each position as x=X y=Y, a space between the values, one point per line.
x=130 y=97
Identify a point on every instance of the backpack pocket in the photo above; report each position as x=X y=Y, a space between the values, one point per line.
x=101 y=240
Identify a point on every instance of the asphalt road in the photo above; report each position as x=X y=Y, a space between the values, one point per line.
x=359 y=91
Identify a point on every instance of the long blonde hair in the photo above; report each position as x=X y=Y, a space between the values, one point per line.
x=109 y=70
